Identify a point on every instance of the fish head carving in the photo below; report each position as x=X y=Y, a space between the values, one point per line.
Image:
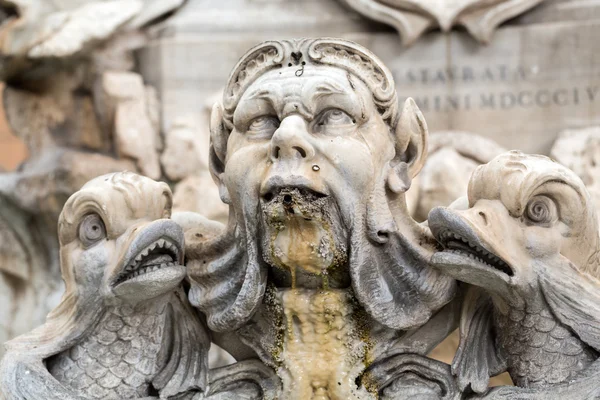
x=117 y=241
x=526 y=212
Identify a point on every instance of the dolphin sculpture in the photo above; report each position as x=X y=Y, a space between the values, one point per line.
x=529 y=245
x=124 y=328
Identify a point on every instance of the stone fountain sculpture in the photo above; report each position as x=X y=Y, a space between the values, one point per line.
x=124 y=328
x=321 y=272
x=321 y=285
x=529 y=245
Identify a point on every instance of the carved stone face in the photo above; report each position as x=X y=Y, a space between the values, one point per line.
x=304 y=153
x=116 y=244
x=311 y=152
x=526 y=213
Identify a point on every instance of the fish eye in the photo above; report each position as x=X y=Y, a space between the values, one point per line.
x=541 y=210
x=91 y=230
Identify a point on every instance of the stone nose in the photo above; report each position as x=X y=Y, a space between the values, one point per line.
x=291 y=141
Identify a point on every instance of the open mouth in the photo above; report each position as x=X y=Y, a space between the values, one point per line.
x=287 y=194
x=161 y=254
x=456 y=244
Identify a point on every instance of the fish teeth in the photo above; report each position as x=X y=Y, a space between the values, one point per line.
x=161 y=243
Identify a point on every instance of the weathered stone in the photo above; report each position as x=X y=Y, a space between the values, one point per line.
x=31 y=117
x=579 y=150
x=105 y=273
x=118 y=53
x=122 y=102
x=529 y=244
x=413 y=17
x=520 y=99
x=198 y=193
x=452 y=158
x=153 y=110
x=135 y=137
x=38 y=191
x=122 y=85
x=29 y=277
x=58 y=117
x=312 y=194
x=40 y=29
x=44 y=31
x=112 y=88
x=225 y=30
x=185 y=151
x=30 y=202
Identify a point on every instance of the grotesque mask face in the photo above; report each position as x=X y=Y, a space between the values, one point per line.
x=117 y=242
x=311 y=152
x=304 y=154
x=528 y=215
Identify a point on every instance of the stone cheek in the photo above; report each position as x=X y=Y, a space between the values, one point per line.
x=540 y=351
x=118 y=360
x=324 y=350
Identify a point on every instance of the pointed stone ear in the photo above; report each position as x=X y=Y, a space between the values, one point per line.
x=411 y=147
x=219 y=134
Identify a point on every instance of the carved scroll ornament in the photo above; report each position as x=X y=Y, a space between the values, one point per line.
x=412 y=18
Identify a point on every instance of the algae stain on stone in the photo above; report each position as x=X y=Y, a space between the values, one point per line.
x=303 y=243
x=324 y=347
x=324 y=342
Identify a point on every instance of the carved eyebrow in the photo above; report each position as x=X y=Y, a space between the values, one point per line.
x=327 y=88
x=261 y=94
x=322 y=89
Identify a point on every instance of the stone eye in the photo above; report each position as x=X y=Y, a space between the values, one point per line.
x=335 y=116
x=263 y=126
x=91 y=230
x=540 y=210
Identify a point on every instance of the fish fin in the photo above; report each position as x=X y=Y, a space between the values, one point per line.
x=29 y=379
x=574 y=299
x=187 y=368
x=477 y=358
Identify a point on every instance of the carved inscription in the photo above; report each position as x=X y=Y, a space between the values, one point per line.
x=519 y=87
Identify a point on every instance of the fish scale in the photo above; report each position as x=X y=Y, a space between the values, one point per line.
x=119 y=358
x=540 y=350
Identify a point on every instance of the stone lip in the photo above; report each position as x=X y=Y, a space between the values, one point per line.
x=153 y=263
x=462 y=246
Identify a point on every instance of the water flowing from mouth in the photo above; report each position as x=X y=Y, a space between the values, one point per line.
x=299 y=236
x=325 y=346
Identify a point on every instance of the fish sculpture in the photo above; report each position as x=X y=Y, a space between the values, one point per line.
x=528 y=244
x=124 y=328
